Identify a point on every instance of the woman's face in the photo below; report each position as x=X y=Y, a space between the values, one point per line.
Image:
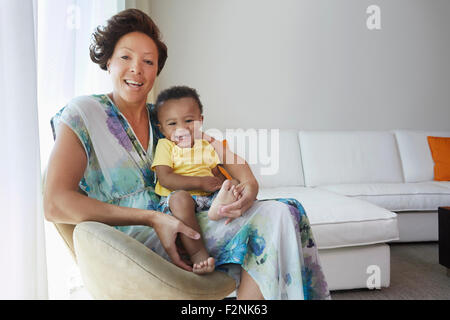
x=133 y=67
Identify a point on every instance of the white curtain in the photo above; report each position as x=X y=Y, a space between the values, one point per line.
x=64 y=66
x=44 y=62
x=64 y=72
x=22 y=250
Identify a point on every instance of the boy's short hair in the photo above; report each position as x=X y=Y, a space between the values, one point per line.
x=176 y=92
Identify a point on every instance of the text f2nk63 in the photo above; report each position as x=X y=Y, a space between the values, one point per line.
x=246 y=309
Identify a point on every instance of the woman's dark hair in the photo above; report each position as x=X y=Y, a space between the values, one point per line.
x=176 y=92
x=105 y=38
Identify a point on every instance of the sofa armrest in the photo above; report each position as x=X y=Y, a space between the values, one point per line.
x=115 y=266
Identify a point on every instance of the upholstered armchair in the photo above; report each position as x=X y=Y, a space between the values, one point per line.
x=116 y=266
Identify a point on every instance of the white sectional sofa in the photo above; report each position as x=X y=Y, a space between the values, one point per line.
x=360 y=189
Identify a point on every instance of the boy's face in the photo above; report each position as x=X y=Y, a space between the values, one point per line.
x=176 y=120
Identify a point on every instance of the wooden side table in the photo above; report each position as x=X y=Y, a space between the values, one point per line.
x=444 y=237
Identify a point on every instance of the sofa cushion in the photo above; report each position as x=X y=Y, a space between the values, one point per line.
x=339 y=221
x=334 y=157
x=415 y=154
x=444 y=184
x=274 y=159
x=420 y=196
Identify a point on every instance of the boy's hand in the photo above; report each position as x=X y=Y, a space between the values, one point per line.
x=217 y=173
x=211 y=184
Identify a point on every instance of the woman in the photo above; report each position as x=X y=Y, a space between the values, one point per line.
x=104 y=145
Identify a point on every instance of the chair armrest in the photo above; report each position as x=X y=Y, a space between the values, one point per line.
x=66 y=233
x=115 y=266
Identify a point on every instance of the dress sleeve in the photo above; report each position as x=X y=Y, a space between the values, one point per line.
x=72 y=116
x=163 y=154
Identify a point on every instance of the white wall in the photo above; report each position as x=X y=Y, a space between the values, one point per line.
x=311 y=65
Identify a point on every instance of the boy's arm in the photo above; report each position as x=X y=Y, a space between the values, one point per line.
x=217 y=173
x=173 y=181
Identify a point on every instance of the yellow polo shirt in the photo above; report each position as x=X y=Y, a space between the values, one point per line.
x=196 y=161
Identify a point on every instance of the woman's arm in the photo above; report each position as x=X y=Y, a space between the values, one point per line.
x=239 y=169
x=236 y=166
x=63 y=203
x=247 y=188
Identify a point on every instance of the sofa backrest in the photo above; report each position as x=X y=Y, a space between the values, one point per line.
x=273 y=155
x=337 y=157
x=415 y=154
x=314 y=158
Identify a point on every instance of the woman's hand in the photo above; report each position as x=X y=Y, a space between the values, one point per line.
x=246 y=193
x=167 y=228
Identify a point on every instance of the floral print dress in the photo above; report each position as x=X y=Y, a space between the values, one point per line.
x=272 y=241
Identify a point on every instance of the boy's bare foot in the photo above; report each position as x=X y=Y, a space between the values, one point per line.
x=204 y=267
x=202 y=262
x=225 y=196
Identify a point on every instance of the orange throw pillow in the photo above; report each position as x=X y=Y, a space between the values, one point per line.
x=440 y=151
